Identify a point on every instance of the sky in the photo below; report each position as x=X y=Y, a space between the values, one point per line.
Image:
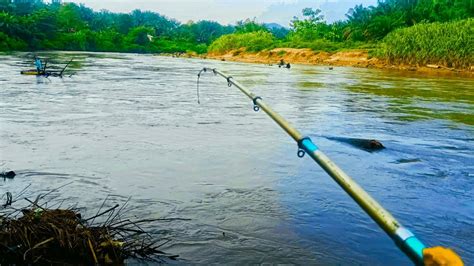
x=230 y=11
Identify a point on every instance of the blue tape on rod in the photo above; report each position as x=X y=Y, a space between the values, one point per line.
x=309 y=146
x=410 y=244
x=416 y=247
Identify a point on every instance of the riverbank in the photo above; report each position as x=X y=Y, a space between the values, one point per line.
x=353 y=58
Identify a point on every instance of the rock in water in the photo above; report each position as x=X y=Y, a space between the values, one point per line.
x=374 y=145
x=9 y=174
x=369 y=145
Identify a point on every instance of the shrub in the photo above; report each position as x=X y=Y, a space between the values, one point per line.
x=251 y=41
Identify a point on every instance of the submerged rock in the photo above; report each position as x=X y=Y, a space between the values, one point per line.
x=369 y=145
x=9 y=174
x=403 y=161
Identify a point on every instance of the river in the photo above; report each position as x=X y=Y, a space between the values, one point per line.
x=130 y=125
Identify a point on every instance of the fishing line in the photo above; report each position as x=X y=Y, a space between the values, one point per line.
x=198 y=78
x=229 y=82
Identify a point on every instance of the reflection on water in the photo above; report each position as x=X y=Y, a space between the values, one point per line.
x=129 y=125
x=308 y=85
x=423 y=98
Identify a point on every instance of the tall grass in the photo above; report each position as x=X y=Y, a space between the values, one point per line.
x=251 y=41
x=449 y=44
x=258 y=41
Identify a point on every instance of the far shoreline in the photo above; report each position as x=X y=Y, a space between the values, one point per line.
x=358 y=58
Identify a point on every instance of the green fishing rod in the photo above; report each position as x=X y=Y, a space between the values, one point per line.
x=403 y=237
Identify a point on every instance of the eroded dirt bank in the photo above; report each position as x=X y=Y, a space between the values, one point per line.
x=354 y=58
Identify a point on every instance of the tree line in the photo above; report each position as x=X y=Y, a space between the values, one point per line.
x=39 y=26
x=33 y=25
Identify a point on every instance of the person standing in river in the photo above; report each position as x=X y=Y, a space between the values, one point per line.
x=39 y=65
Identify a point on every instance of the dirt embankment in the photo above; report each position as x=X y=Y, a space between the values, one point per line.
x=354 y=58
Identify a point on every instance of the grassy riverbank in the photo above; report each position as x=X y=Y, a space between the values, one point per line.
x=447 y=44
x=444 y=46
x=350 y=57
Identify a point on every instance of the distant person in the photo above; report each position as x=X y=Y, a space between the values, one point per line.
x=38 y=64
x=282 y=63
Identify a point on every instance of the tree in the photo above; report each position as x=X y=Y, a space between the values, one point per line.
x=249 y=26
x=69 y=18
x=139 y=36
x=311 y=27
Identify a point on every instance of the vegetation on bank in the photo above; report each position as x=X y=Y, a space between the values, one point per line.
x=38 y=26
x=251 y=41
x=450 y=44
x=259 y=41
x=419 y=31
x=415 y=32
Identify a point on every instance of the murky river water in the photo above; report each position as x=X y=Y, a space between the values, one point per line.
x=130 y=125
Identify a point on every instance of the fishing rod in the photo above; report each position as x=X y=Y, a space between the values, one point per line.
x=44 y=67
x=402 y=237
x=64 y=69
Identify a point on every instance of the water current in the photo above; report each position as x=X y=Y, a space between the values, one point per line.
x=130 y=125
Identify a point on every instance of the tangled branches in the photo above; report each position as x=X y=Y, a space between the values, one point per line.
x=38 y=235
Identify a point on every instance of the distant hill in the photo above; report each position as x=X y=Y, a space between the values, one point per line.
x=277 y=30
x=273 y=26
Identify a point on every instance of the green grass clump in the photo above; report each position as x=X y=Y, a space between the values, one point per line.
x=449 y=44
x=251 y=41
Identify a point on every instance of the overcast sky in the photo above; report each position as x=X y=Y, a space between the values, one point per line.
x=229 y=11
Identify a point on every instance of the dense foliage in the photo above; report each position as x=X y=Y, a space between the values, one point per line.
x=410 y=31
x=38 y=26
x=251 y=41
x=374 y=23
x=371 y=24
